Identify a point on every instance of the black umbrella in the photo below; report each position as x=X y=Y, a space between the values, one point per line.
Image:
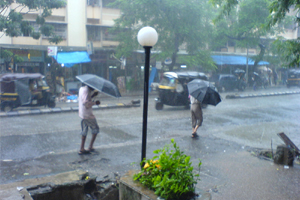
x=204 y=92
x=100 y=84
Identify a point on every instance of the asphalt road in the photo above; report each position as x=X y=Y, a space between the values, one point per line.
x=39 y=145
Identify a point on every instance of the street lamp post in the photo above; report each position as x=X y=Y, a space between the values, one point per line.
x=147 y=37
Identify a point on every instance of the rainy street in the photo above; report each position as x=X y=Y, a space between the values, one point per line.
x=39 y=145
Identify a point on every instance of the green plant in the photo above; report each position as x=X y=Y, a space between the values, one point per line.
x=169 y=174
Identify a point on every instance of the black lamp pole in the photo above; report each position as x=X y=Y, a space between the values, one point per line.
x=146 y=89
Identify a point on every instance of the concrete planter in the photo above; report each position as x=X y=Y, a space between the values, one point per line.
x=134 y=190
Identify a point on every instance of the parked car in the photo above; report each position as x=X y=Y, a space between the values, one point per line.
x=228 y=82
x=293 y=78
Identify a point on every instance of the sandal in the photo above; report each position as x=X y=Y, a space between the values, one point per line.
x=91 y=150
x=83 y=152
x=194 y=135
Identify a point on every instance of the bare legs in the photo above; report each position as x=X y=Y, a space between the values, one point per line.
x=195 y=129
x=92 y=142
x=83 y=138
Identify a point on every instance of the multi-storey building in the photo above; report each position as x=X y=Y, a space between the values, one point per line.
x=80 y=23
x=84 y=23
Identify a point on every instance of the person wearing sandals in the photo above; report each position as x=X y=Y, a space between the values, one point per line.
x=88 y=120
x=197 y=116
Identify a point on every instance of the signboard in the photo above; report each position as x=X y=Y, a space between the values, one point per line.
x=89 y=48
x=52 y=51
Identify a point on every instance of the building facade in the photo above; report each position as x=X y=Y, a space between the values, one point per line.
x=84 y=26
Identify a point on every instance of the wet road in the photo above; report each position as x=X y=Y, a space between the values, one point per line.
x=40 y=145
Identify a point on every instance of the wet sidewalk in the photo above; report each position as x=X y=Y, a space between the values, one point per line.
x=228 y=171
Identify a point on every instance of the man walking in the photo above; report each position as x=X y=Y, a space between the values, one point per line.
x=85 y=112
x=197 y=116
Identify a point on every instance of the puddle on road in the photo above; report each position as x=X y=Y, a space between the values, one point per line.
x=116 y=133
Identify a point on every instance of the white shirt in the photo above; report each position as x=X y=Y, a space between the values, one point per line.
x=85 y=103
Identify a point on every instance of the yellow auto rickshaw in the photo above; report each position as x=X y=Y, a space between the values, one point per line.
x=24 y=89
x=173 y=91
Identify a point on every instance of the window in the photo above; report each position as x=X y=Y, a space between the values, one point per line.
x=35 y=29
x=93 y=2
x=93 y=33
x=60 y=30
x=108 y=35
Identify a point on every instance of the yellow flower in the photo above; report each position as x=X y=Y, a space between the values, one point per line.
x=146 y=165
x=152 y=162
x=155 y=161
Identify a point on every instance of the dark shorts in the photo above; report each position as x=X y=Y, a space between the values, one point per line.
x=86 y=123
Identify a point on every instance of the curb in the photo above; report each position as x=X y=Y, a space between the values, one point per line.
x=237 y=96
x=64 y=109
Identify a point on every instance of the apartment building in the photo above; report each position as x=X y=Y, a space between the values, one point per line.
x=81 y=23
x=84 y=24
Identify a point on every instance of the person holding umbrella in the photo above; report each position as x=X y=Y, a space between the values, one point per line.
x=88 y=120
x=197 y=115
x=201 y=92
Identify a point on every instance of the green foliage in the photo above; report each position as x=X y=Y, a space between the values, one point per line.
x=177 y=22
x=278 y=9
x=36 y=35
x=55 y=39
x=47 y=29
x=14 y=25
x=290 y=49
x=8 y=56
x=169 y=173
x=226 y=7
x=201 y=59
x=245 y=25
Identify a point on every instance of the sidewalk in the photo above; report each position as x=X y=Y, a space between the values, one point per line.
x=228 y=172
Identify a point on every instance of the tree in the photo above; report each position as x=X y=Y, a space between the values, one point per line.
x=9 y=57
x=13 y=24
x=178 y=23
x=278 y=10
x=245 y=26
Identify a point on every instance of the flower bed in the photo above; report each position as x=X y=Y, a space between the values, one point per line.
x=169 y=173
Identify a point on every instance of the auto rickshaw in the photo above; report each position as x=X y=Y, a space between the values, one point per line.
x=293 y=78
x=24 y=89
x=173 y=91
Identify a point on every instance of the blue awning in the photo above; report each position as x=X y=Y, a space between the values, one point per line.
x=71 y=58
x=235 y=60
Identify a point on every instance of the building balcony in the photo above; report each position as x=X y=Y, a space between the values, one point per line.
x=109 y=15
x=93 y=15
x=25 y=41
x=98 y=44
x=58 y=15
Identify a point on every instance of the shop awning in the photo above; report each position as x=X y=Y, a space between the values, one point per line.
x=71 y=58
x=235 y=60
